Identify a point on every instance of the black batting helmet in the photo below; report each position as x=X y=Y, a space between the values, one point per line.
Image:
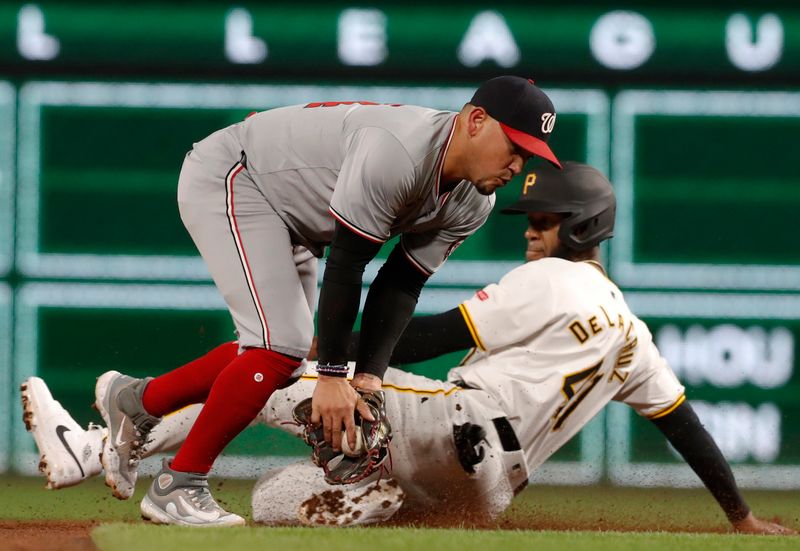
x=579 y=191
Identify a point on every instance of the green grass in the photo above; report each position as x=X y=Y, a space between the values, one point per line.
x=23 y=498
x=589 y=517
x=613 y=508
x=117 y=537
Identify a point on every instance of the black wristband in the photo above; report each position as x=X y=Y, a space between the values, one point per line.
x=332 y=370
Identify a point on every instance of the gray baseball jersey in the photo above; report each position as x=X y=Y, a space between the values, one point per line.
x=375 y=168
x=282 y=177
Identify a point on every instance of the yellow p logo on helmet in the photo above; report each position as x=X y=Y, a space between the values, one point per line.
x=530 y=180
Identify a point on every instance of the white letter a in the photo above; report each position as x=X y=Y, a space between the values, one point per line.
x=488 y=37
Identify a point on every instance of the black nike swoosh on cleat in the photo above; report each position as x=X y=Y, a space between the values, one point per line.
x=60 y=430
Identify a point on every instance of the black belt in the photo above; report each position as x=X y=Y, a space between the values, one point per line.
x=508 y=438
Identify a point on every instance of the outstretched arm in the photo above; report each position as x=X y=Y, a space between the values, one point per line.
x=426 y=337
x=688 y=436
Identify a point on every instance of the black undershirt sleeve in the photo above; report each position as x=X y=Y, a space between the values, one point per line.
x=426 y=337
x=687 y=435
x=341 y=292
x=390 y=304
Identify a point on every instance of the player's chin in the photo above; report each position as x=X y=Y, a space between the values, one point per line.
x=530 y=255
x=489 y=187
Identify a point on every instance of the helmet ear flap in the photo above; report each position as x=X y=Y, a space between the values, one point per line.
x=581 y=233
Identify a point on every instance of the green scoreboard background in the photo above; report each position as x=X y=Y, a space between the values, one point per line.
x=693 y=113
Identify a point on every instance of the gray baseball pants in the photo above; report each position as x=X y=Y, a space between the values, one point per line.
x=268 y=283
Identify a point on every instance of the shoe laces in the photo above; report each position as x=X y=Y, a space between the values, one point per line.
x=201 y=497
x=142 y=425
x=137 y=447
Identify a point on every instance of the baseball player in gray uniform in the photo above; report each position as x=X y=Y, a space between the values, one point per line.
x=262 y=199
x=552 y=343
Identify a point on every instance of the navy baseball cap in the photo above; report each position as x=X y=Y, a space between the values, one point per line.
x=524 y=112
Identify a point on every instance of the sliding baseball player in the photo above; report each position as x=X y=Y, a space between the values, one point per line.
x=552 y=343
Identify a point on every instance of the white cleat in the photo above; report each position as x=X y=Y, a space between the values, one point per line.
x=297 y=494
x=68 y=454
x=342 y=506
x=280 y=491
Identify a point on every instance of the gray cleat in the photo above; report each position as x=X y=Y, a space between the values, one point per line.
x=118 y=398
x=181 y=498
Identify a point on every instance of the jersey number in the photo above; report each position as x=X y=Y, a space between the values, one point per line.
x=575 y=388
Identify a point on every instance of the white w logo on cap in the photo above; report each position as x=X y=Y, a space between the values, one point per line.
x=548 y=122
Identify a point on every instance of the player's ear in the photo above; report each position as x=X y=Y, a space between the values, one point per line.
x=581 y=230
x=476 y=118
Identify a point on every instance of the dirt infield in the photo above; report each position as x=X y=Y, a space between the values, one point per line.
x=18 y=535
x=406 y=519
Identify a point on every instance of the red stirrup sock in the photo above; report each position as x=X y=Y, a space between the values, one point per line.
x=236 y=398
x=188 y=384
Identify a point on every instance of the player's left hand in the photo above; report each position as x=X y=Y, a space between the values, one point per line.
x=752 y=525
x=332 y=404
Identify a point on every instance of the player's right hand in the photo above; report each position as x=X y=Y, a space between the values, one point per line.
x=333 y=404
